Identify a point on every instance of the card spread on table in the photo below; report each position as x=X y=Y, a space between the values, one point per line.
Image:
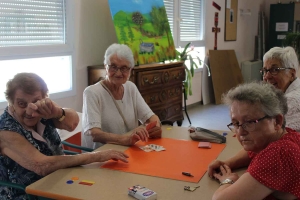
x=152 y=147
x=151 y=125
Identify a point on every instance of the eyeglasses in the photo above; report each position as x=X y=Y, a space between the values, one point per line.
x=247 y=126
x=114 y=68
x=273 y=71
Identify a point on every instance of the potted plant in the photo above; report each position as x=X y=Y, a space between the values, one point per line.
x=184 y=56
x=293 y=40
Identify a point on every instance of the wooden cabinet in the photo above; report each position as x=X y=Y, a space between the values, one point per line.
x=159 y=84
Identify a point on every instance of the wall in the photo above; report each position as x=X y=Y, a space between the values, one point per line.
x=94 y=32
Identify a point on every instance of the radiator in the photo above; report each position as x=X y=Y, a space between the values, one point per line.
x=250 y=70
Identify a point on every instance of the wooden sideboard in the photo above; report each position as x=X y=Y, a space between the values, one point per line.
x=159 y=84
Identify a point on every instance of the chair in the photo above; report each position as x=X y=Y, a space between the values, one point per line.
x=71 y=140
x=22 y=188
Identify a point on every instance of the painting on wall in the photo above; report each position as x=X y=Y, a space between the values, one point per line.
x=143 y=26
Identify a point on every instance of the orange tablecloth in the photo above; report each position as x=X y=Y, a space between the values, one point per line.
x=179 y=156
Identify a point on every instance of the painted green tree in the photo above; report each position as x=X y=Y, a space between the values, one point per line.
x=160 y=21
x=138 y=19
x=123 y=35
x=130 y=32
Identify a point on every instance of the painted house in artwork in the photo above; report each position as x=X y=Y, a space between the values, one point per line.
x=143 y=26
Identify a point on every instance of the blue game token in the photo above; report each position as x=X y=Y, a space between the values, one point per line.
x=224 y=134
x=70 y=182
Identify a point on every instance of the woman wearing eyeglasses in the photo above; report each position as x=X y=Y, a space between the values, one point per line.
x=271 y=152
x=280 y=69
x=114 y=106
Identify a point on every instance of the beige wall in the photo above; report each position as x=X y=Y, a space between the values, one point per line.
x=94 y=32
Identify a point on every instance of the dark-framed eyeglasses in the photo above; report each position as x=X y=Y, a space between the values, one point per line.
x=247 y=126
x=114 y=68
x=273 y=71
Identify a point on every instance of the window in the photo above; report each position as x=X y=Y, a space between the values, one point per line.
x=36 y=36
x=186 y=19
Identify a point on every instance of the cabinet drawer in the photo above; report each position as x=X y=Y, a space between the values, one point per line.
x=170 y=112
x=160 y=78
x=158 y=97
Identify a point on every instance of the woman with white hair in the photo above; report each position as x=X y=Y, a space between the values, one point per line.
x=280 y=69
x=114 y=106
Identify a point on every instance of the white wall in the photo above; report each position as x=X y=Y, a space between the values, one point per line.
x=94 y=32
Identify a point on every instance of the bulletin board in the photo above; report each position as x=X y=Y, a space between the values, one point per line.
x=231 y=20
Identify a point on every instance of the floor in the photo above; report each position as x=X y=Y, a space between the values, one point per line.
x=209 y=116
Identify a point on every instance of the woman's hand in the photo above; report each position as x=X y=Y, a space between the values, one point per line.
x=139 y=133
x=214 y=167
x=110 y=154
x=155 y=132
x=44 y=108
x=225 y=172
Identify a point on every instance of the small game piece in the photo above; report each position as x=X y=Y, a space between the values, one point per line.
x=70 y=182
x=142 y=193
x=151 y=125
x=187 y=174
x=192 y=189
x=74 y=178
x=204 y=145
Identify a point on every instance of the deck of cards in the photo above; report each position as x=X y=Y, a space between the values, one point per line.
x=140 y=192
x=152 y=147
x=206 y=145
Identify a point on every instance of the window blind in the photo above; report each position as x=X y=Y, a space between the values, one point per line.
x=32 y=22
x=189 y=14
x=190 y=20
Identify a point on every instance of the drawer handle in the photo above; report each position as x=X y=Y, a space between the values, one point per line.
x=152 y=99
x=155 y=79
x=166 y=77
x=177 y=77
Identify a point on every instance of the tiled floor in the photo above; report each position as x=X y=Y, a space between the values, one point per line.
x=209 y=116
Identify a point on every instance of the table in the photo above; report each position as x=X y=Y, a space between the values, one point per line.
x=111 y=184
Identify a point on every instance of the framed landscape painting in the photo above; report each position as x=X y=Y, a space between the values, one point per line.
x=143 y=26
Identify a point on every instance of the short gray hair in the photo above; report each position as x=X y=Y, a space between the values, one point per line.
x=286 y=55
x=271 y=100
x=122 y=51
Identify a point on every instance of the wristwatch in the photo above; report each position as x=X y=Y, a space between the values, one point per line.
x=62 y=116
x=227 y=181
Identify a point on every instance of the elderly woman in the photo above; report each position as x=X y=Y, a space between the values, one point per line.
x=270 y=151
x=30 y=147
x=280 y=69
x=114 y=106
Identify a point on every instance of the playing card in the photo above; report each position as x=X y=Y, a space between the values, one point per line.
x=146 y=148
x=204 y=145
x=151 y=125
x=152 y=147
x=156 y=147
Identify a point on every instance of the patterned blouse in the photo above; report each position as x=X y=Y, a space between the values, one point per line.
x=278 y=165
x=10 y=170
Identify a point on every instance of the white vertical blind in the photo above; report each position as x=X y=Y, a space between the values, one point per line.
x=190 y=20
x=186 y=18
x=32 y=22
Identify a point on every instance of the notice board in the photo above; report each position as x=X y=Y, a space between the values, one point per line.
x=231 y=20
x=225 y=72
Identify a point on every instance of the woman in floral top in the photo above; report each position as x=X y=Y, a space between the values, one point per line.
x=30 y=146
